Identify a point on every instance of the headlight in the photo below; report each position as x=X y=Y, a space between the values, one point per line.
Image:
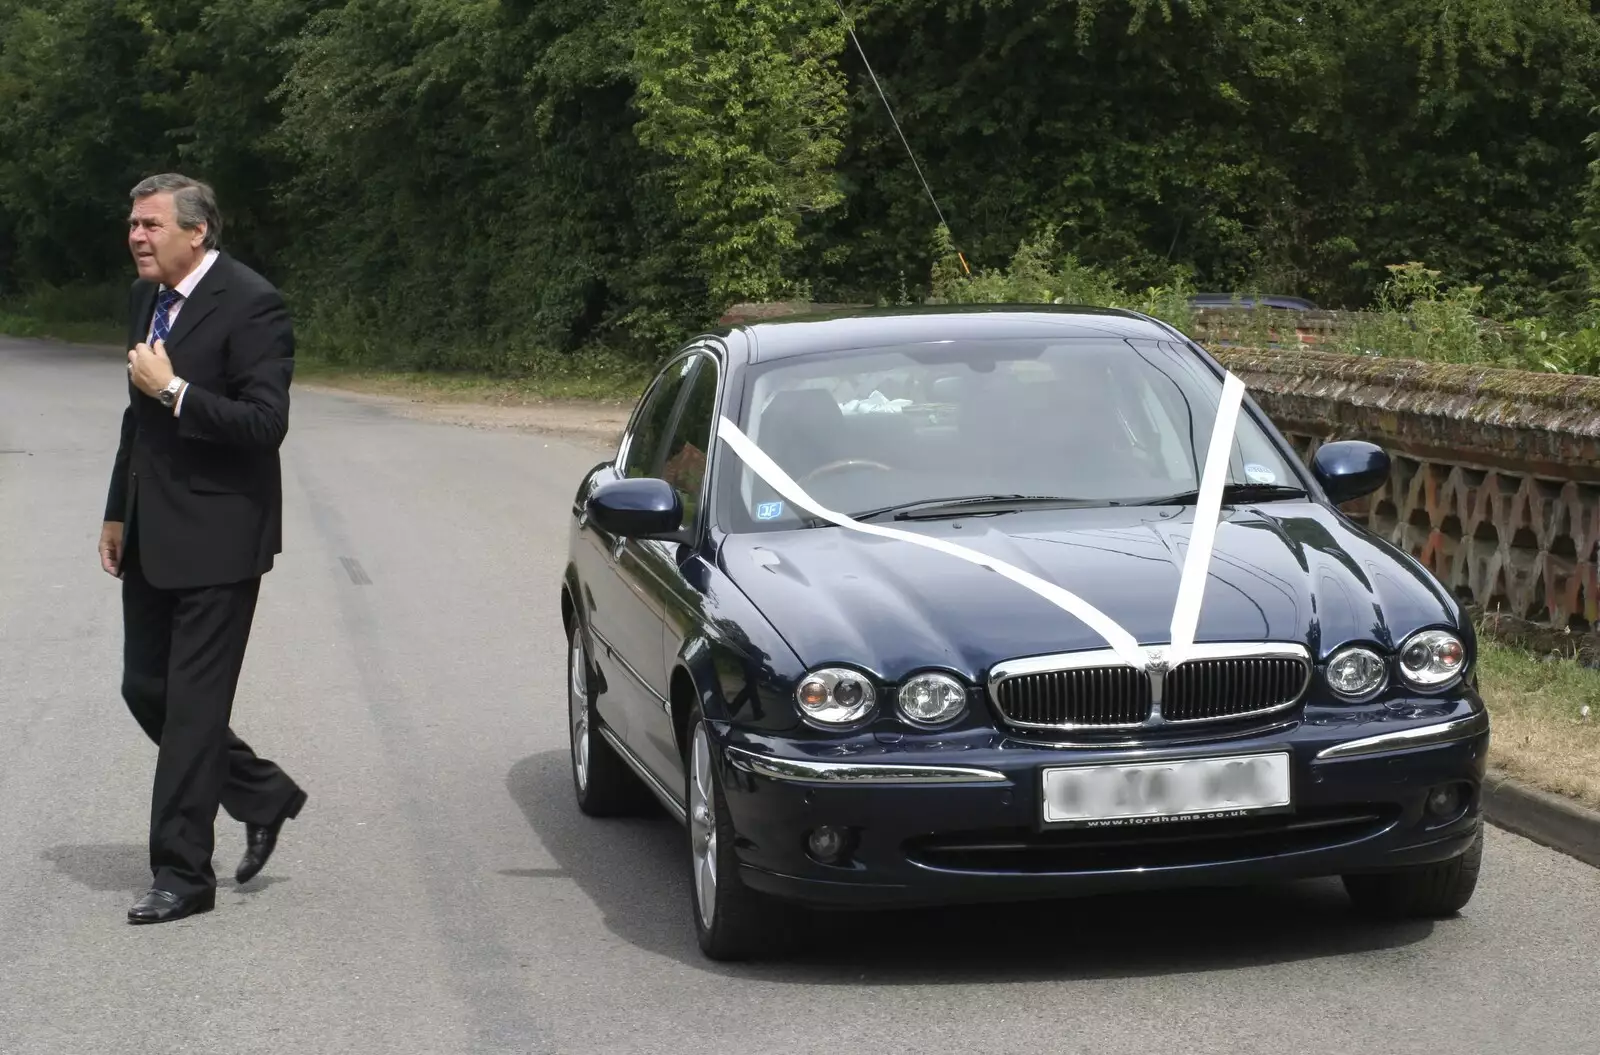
x=1432 y=659
x=932 y=699
x=835 y=696
x=1357 y=673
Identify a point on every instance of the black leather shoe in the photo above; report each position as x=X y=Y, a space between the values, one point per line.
x=163 y=906
x=261 y=839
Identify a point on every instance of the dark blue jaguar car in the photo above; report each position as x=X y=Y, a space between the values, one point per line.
x=886 y=609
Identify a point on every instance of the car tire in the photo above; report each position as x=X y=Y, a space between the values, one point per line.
x=731 y=921
x=601 y=780
x=1426 y=891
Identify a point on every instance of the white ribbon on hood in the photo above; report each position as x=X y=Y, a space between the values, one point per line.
x=1196 y=564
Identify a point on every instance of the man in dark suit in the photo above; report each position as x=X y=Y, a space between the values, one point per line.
x=192 y=521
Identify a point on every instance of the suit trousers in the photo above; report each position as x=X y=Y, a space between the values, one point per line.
x=182 y=654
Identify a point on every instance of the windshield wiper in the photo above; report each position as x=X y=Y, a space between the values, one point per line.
x=933 y=508
x=1231 y=492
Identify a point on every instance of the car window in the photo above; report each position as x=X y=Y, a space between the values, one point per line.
x=644 y=447
x=685 y=465
x=1100 y=419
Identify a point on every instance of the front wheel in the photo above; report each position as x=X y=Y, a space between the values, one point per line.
x=1425 y=891
x=601 y=780
x=731 y=921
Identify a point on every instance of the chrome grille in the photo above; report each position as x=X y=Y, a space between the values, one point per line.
x=1098 y=690
x=1089 y=696
x=1212 y=689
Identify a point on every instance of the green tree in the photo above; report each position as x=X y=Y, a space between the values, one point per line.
x=1297 y=146
x=75 y=135
x=476 y=183
x=746 y=103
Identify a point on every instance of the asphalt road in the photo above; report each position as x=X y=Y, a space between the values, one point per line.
x=442 y=894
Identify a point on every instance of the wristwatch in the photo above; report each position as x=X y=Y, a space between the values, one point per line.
x=169 y=395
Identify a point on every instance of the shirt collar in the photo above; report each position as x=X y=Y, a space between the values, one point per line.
x=186 y=287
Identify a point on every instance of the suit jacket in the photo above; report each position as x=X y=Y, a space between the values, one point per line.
x=200 y=494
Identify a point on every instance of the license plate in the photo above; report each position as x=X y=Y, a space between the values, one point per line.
x=1132 y=793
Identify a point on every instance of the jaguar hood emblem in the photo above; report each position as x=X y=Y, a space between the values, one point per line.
x=1156 y=662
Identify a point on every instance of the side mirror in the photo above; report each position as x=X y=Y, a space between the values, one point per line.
x=636 y=508
x=1350 y=469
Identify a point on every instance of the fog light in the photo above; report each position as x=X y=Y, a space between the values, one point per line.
x=1444 y=800
x=827 y=844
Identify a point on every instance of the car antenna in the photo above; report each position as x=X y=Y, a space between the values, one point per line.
x=851 y=29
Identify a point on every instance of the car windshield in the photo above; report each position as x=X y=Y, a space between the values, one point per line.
x=1095 y=420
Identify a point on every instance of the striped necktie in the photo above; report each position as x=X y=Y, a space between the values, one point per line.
x=162 y=329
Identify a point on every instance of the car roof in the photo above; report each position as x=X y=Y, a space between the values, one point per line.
x=786 y=336
x=1250 y=300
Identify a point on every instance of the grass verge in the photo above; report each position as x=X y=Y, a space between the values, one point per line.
x=620 y=385
x=590 y=375
x=16 y=325
x=1542 y=733
x=77 y=314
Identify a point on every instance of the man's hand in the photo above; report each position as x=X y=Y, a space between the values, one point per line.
x=111 y=547
x=149 y=367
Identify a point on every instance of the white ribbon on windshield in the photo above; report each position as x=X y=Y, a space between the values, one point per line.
x=1191 y=585
x=1207 y=514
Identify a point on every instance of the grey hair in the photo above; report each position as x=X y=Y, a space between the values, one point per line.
x=195 y=202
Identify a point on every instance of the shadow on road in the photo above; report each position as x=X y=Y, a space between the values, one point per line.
x=125 y=867
x=107 y=866
x=634 y=871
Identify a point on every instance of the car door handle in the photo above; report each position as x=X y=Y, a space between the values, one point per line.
x=616 y=547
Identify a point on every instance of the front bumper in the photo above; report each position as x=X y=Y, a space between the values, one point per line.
x=958 y=819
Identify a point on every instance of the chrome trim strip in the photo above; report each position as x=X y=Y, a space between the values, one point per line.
x=1145 y=745
x=1417 y=736
x=1156 y=670
x=613 y=652
x=1076 y=726
x=798 y=771
x=651 y=781
x=1098 y=657
x=1105 y=657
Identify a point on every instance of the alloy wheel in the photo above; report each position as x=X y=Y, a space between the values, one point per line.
x=578 y=710
x=703 y=826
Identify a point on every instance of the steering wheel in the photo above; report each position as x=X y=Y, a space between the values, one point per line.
x=844 y=463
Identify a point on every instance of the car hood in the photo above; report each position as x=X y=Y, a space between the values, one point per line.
x=1281 y=571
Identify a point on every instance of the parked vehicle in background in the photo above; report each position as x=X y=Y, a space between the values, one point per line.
x=1250 y=301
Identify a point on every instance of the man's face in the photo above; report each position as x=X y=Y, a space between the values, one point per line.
x=162 y=251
